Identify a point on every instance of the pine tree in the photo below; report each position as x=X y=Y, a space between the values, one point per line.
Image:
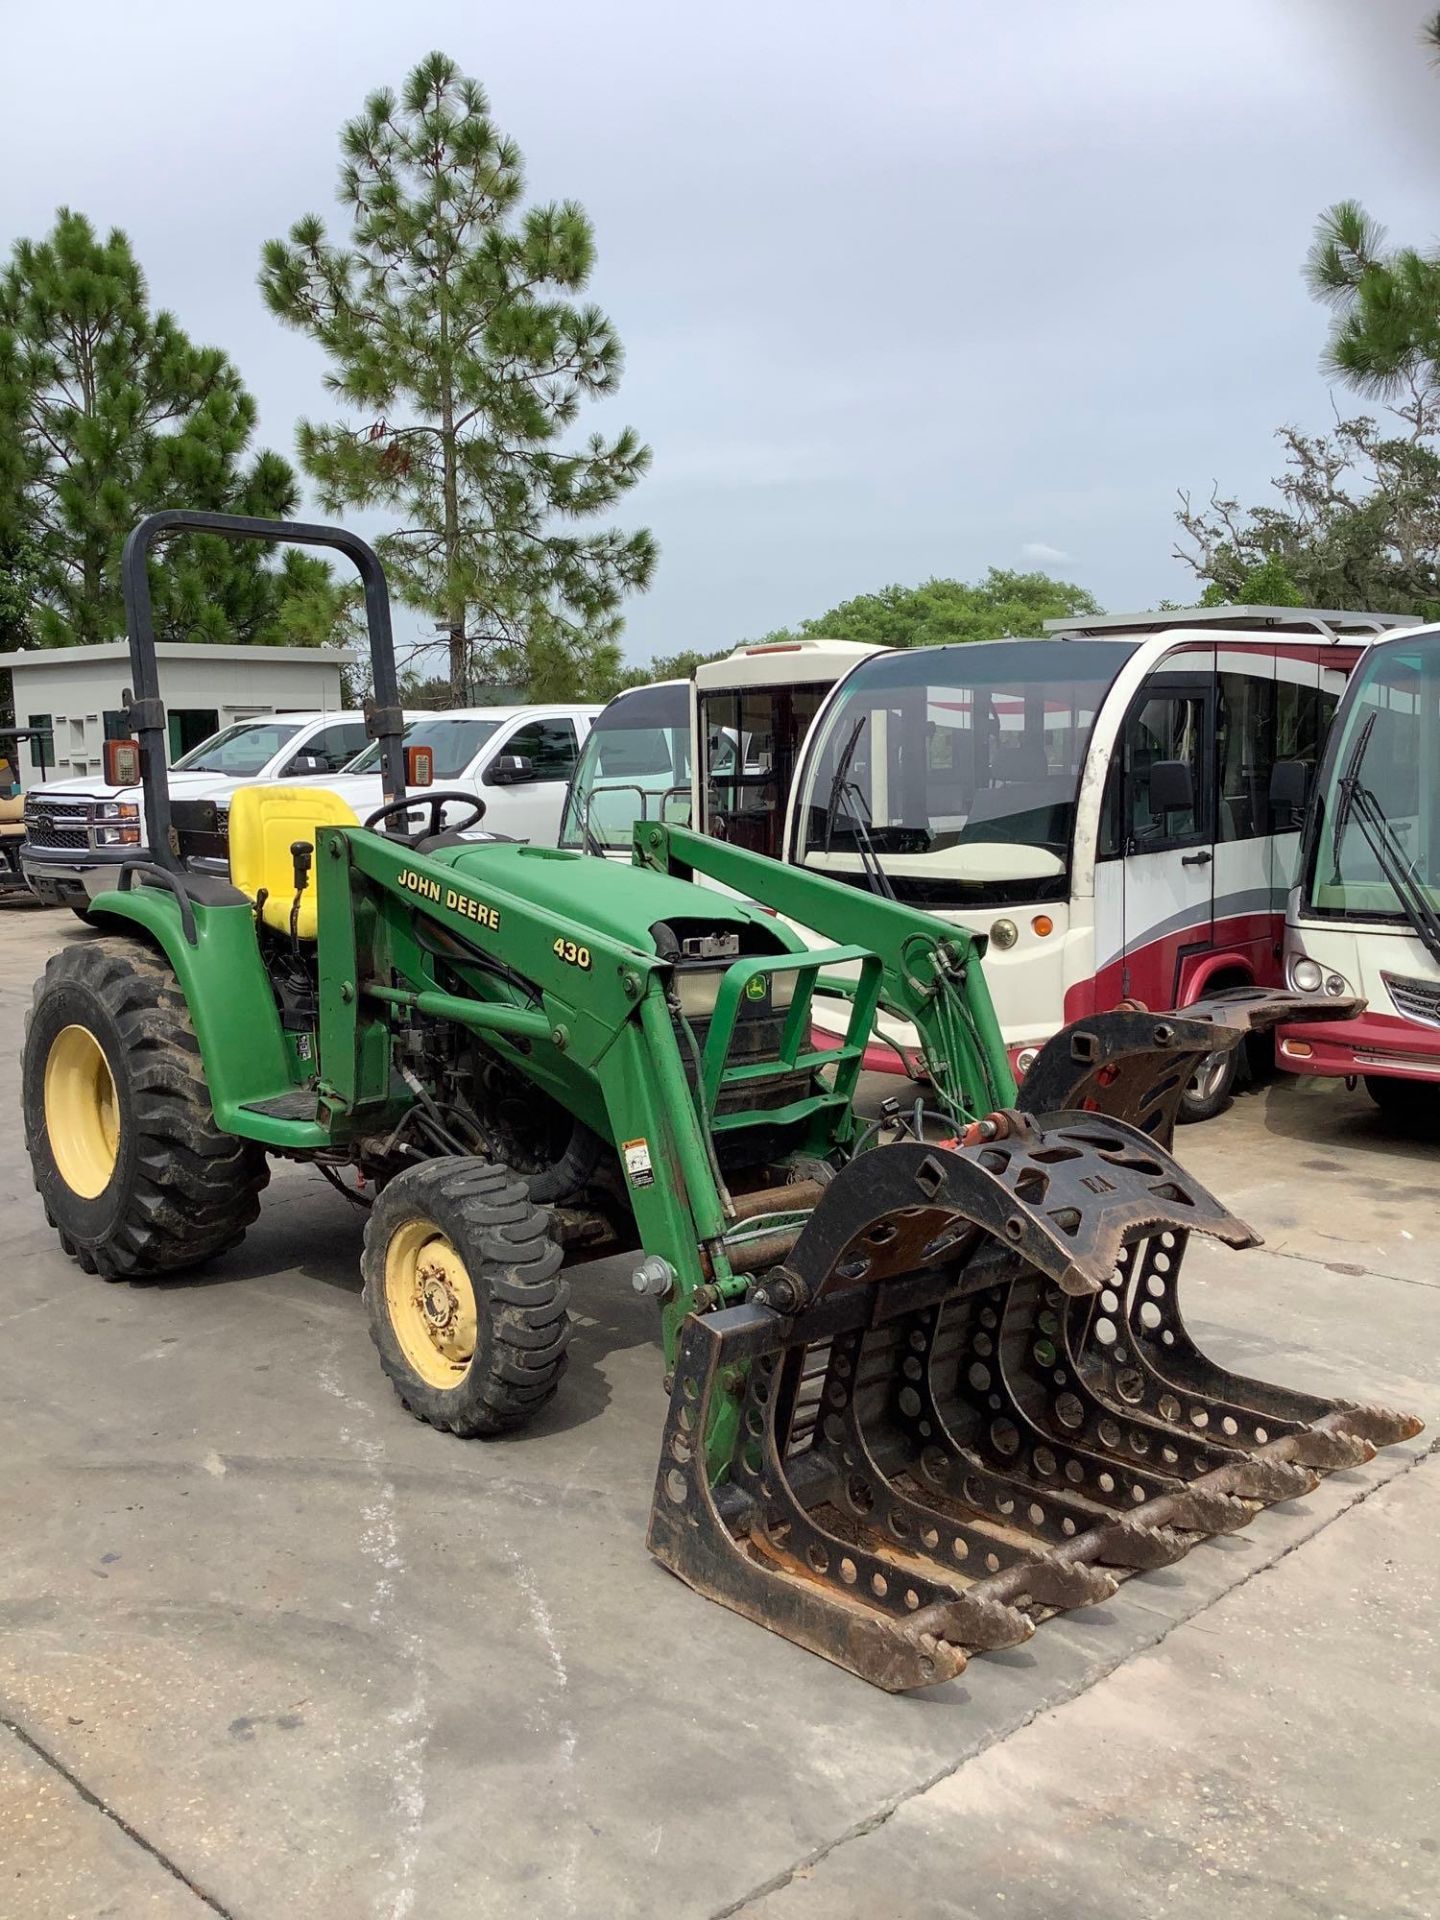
x=107 y=412
x=453 y=336
x=1385 y=338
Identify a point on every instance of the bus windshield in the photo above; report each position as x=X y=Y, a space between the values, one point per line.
x=957 y=769
x=1376 y=838
x=635 y=765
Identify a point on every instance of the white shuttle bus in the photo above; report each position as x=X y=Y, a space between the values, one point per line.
x=754 y=706
x=1102 y=803
x=1365 y=916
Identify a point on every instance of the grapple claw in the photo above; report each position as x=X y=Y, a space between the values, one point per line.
x=985 y=1406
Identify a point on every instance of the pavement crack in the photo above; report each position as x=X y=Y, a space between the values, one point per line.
x=102 y=1806
x=1354 y=1271
x=878 y=1816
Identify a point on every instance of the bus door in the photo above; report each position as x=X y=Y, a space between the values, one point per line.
x=1249 y=895
x=1167 y=829
x=1307 y=691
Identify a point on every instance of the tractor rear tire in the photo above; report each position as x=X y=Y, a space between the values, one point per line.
x=135 y=1175
x=465 y=1296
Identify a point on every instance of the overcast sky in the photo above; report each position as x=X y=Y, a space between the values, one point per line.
x=905 y=290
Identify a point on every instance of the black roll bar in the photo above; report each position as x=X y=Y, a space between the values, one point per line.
x=147 y=709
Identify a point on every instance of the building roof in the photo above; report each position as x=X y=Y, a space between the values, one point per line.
x=118 y=652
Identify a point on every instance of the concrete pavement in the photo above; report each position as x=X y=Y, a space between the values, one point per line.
x=268 y=1647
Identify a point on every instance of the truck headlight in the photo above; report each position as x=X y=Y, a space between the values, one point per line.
x=114 y=810
x=1305 y=976
x=115 y=836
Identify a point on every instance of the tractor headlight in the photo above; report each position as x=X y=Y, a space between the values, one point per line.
x=1305 y=976
x=114 y=810
x=1003 y=934
x=696 y=988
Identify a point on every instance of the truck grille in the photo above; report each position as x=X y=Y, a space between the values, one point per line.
x=1416 y=999
x=56 y=823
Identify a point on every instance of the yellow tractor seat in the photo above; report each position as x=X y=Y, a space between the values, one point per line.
x=265 y=822
x=12 y=817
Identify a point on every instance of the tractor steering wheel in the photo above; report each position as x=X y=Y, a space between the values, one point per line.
x=436 y=802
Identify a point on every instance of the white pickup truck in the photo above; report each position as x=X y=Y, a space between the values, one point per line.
x=77 y=829
x=518 y=760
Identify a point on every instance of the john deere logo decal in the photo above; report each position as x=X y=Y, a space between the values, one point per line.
x=755 y=987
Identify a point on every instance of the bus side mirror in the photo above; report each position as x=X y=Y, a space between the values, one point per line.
x=1288 y=782
x=1172 y=790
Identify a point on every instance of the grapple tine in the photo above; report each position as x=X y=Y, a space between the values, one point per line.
x=1328 y=1450
x=1259 y=1476
x=1066 y=1584
x=1380 y=1425
x=976 y=1622
x=1140 y=1549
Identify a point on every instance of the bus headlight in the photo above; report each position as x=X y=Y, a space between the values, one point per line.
x=1024 y=1060
x=1003 y=934
x=1305 y=976
x=1335 y=986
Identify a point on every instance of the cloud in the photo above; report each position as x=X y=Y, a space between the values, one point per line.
x=1047 y=556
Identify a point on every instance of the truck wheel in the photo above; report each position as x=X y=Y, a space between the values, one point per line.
x=135 y=1175
x=1211 y=1086
x=1410 y=1103
x=465 y=1297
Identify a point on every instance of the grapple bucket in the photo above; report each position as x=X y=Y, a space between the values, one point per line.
x=967 y=1399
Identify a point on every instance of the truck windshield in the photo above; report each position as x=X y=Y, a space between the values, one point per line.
x=635 y=765
x=1376 y=837
x=454 y=743
x=242 y=749
x=957 y=769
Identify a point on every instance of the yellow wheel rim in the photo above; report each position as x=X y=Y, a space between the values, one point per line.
x=430 y=1303
x=82 y=1114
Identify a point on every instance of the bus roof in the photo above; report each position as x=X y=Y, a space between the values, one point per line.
x=1333 y=622
x=783 y=663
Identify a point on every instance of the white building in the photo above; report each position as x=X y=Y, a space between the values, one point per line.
x=75 y=692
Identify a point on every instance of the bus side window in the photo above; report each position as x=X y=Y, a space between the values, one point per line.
x=1245 y=753
x=1168 y=727
x=1302 y=720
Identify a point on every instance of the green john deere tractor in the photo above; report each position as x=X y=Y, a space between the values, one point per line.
x=928 y=1377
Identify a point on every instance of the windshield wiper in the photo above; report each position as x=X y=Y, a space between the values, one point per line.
x=843 y=789
x=1390 y=856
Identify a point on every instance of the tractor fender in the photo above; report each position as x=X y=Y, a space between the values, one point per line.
x=227 y=990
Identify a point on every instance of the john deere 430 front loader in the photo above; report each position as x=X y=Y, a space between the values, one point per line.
x=929 y=1380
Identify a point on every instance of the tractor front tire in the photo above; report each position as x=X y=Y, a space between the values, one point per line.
x=135 y=1175
x=465 y=1296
